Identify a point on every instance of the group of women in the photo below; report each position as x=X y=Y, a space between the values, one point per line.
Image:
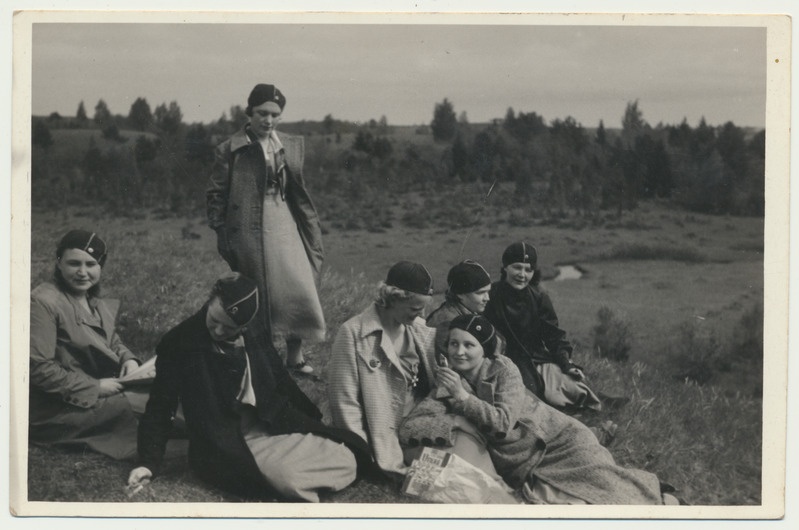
x=490 y=365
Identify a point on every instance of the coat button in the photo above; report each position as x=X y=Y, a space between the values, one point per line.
x=374 y=363
x=441 y=441
x=427 y=442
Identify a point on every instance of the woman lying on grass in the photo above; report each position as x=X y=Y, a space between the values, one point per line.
x=551 y=457
x=77 y=358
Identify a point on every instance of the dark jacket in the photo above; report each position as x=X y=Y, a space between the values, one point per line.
x=235 y=199
x=440 y=319
x=206 y=383
x=534 y=339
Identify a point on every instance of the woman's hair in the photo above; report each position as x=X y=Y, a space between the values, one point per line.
x=60 y=282
x=388 y=295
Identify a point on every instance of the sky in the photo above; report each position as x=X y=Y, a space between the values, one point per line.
x=359 y=72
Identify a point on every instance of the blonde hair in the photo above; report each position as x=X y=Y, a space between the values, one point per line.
x=388 y=295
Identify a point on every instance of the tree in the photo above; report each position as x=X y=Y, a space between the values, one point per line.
x=601 y=135
x=168 y=119
x=40 y=134
x=102 y=116
x=632 y=123
x=460 y=157
x=328 y=124
x=140 y=116
x=81 y=114
x=444 y=122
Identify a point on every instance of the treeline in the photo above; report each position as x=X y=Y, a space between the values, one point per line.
x=151 y=158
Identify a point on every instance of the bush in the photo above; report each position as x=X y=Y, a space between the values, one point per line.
x=747 y=342
x=640 y=251
x=697 y=355
x=611 y=336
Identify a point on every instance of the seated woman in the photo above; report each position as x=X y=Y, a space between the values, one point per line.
x=524 y=315
x=382 y=365
x=76 y=357
x=468 y=285
x=552 y=457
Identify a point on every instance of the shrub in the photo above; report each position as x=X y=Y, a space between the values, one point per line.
x=747 y=342
x=697 y=355
x=611 y=336
x=640 y=251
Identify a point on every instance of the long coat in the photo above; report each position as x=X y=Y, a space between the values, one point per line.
x=366 y=386
x=190 y=370
x=527 y=437
x=235 y=199
x=70 y=351
x=535 y=341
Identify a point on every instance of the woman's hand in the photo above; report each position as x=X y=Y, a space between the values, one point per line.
x=137 y=479
x=451 y=381
x=127 y=367
x=576 y=373
x=110 y=386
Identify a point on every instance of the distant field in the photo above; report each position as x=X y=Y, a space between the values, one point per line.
x=660 y=271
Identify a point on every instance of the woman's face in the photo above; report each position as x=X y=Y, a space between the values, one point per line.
x=475 y=301
x=264 y=119
x=406 y=311
x=80 y=270
x=464 y=351
x=518 y=275
x=219 y=324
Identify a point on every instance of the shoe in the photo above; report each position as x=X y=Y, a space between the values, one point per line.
x=303 y=367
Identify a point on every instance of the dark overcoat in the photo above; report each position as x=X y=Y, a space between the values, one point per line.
x=190 y=371
x=535 y=341
x=235 y=200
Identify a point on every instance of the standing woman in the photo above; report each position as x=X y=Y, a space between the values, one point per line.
x=523 y=313
x=267 y=227
x=76 y=357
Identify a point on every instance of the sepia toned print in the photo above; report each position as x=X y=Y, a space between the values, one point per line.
x=645 y=158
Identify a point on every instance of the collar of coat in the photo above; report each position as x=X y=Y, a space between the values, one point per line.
x=370 y=324
x=244 y=137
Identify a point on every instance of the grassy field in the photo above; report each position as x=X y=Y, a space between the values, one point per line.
x=686 y=288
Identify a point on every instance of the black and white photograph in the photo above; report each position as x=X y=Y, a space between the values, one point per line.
x=399 y=265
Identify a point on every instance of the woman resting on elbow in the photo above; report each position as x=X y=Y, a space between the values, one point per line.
x=76 y=357
x=551 y=457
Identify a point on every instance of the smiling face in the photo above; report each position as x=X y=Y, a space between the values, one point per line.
x=518 y=275
x=465 y=352
x=219 y=324
x=79 y=270
x=264 y=119
x=477 y=300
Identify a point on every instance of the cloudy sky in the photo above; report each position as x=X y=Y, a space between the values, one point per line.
x=363 y=71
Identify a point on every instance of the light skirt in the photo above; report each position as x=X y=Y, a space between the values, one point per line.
x=293 y=300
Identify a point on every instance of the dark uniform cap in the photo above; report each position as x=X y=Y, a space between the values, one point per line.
x=410 y=276
x=263 y=93
x=520 y=252
x=480 y=328
x=88 y=242
x=467 y=277
x=239 y=297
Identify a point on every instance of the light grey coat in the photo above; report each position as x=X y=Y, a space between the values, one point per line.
x=366 y=386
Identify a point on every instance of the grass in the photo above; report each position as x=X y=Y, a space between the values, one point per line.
x=678 y=429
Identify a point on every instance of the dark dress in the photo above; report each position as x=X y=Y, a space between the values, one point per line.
x=189 y=369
